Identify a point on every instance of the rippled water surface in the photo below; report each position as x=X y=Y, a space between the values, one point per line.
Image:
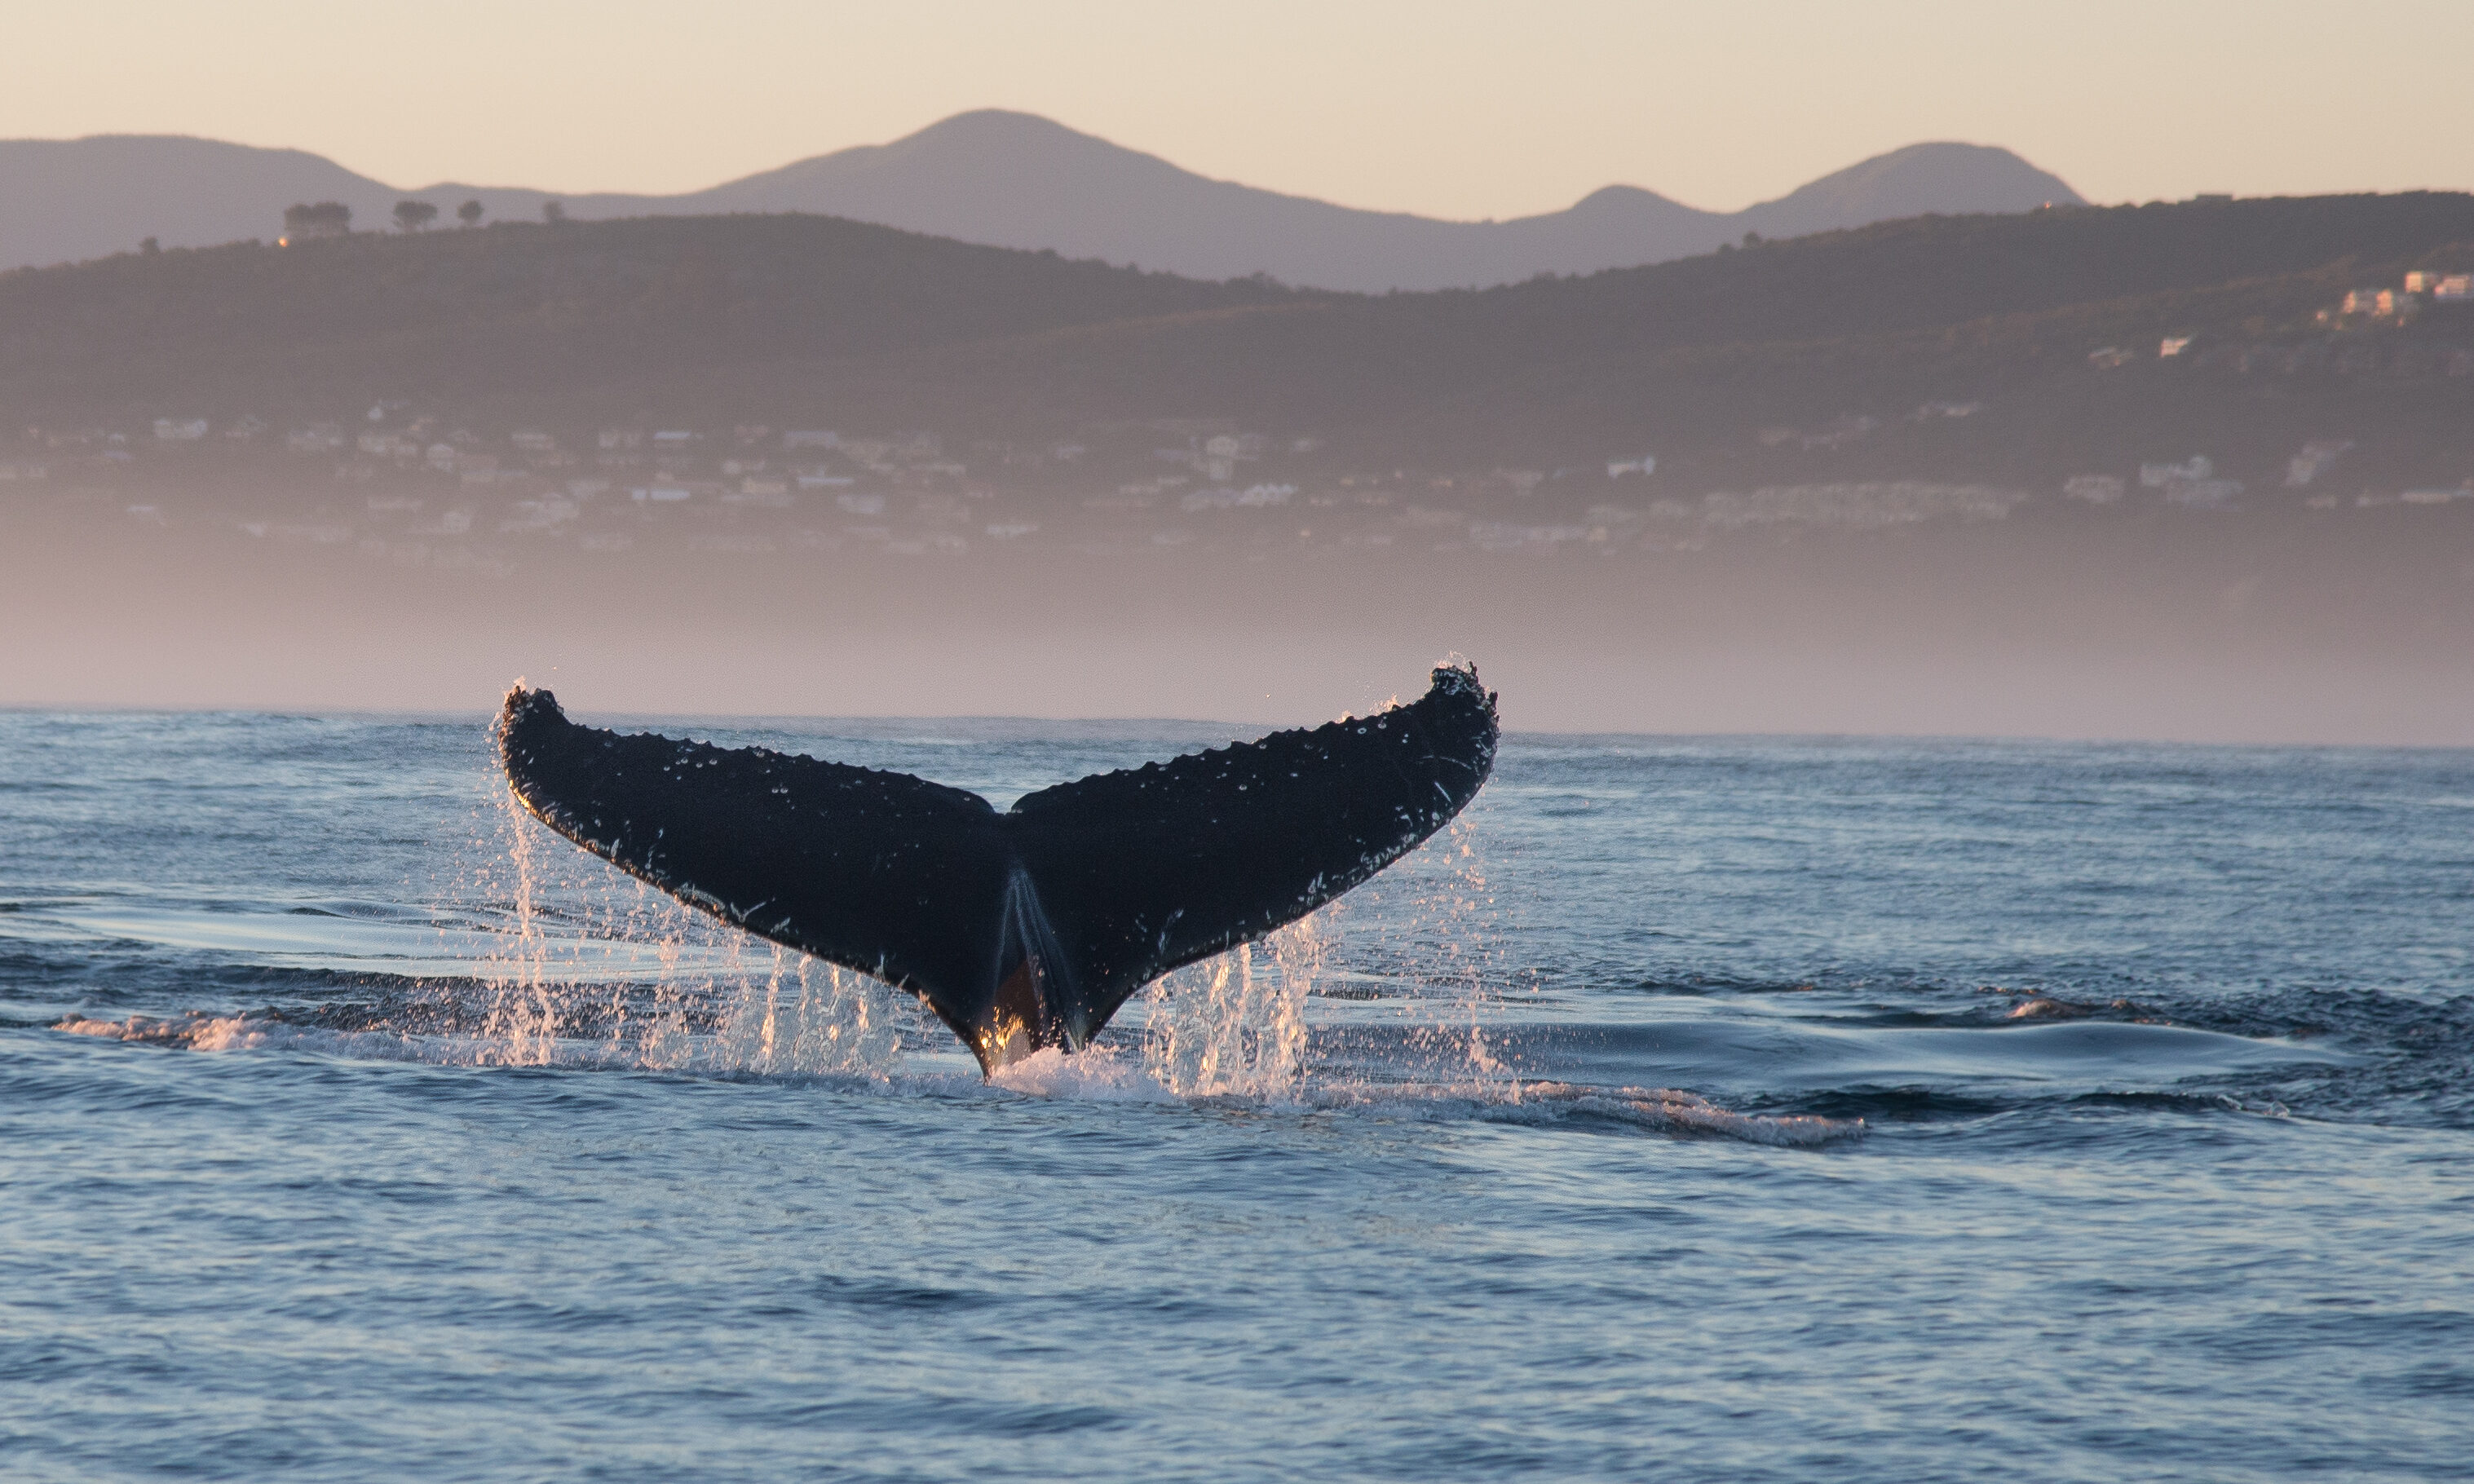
x=1696 y=1109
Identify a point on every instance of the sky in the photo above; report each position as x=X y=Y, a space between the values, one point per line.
x=1452 y=110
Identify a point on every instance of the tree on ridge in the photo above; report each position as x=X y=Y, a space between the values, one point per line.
x=324 y=219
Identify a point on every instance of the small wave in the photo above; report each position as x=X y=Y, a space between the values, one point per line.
x=196 y=1031
x=1102 y=1076
x=1097 y=1074
x=1669 y=1111
x=201 y=1031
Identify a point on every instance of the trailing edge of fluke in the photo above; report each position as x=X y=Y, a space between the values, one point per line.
x=1025 y=929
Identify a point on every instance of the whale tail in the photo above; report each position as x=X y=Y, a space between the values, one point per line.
x=1028 y=928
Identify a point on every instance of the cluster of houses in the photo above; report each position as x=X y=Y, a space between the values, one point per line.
x=397 y=481
x=2361 y=310
x=2195 y=483
x=2399 y=304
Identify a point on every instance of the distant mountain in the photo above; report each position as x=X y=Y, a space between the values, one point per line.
x=68 y=200
x=1005 y=180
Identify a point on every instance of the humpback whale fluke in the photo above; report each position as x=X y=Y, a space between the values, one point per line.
x=1025 y=929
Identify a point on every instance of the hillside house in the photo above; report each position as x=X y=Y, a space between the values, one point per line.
x=2316 y=459
x=2157 y=477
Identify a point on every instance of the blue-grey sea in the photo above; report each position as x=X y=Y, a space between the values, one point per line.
x=1694 y=1108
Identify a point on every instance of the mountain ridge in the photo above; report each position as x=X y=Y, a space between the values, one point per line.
x=1002 y=178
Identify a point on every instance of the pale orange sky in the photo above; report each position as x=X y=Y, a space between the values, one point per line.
x=1452 y=110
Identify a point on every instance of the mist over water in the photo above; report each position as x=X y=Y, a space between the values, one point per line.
x=1696 y=1107
x=2044 y=624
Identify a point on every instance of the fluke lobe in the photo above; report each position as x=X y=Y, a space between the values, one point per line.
x=1025 y=929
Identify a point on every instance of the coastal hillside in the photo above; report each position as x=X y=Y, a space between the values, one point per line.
x=788 y=320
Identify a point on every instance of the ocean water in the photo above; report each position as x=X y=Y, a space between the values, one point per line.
x=1693 y=1109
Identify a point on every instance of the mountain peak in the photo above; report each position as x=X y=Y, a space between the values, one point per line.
x=995 y=123
x=1941 y=177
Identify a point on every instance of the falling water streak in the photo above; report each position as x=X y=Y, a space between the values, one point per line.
x=1456 y=954
x=805 y=1018
x=524 y=1023
x=1475 y=949
x=1224 y=1028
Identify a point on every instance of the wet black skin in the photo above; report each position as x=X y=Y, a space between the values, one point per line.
x=1025 y=929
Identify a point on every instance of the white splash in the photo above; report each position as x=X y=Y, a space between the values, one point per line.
x=1224 y=1028
x=1095 y=1075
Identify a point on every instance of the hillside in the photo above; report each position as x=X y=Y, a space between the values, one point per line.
x=521 y=314
x=792 y=320
x=1002 y=178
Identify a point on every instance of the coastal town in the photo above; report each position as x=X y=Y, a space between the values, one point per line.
x=412 y=485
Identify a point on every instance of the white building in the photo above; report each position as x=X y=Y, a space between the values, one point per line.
x=2156 y=476
x=2314 y=459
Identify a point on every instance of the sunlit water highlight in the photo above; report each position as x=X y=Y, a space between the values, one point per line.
x=1692 y=1109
